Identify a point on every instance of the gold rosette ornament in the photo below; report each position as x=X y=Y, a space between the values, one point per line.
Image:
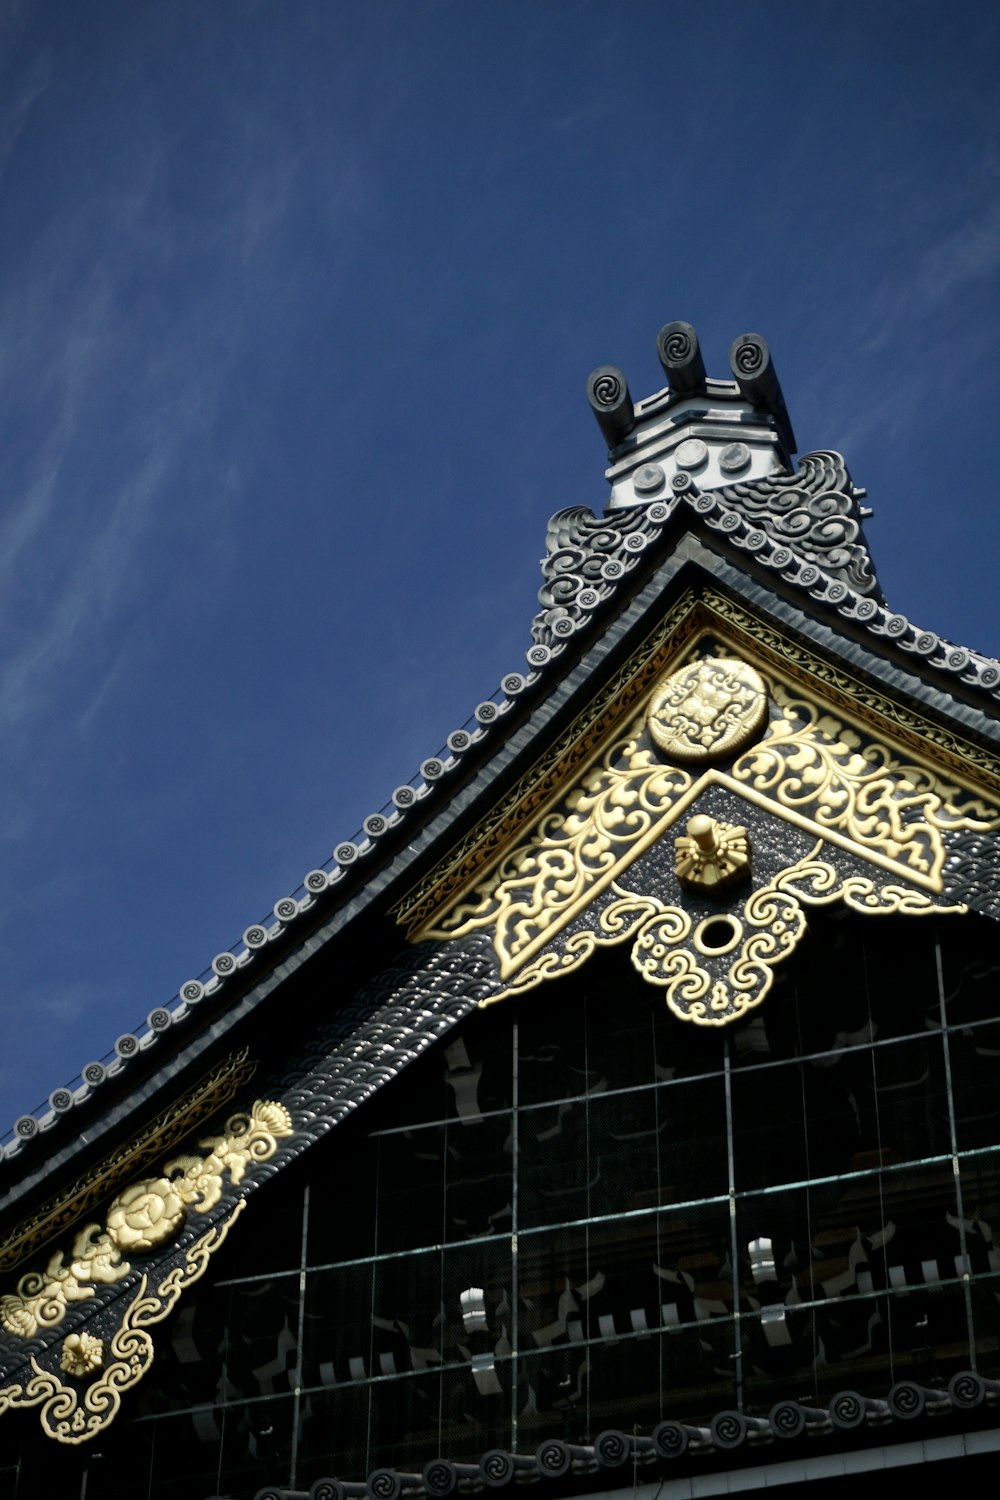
x=145 y=1214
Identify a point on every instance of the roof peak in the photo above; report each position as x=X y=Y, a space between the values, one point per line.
x=719 y=431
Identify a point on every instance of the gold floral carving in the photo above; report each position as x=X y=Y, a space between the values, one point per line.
x=160 y=1135
x=711 y=855
x=616 y=922
x=542 y=784
x=813 y=764
x=72 y=1415
x=146 y=1214
x=810 y=768
x=616 y=810
x=707 y=710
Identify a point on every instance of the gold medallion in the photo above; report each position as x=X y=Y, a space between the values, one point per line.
x=708 y=710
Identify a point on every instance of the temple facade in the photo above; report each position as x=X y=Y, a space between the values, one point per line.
x=618 y=1109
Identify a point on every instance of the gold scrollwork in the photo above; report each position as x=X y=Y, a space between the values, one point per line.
x=716 y=971
x=615 y=923
x=701 y=983
x=738 y=629
x=543 y=783
x=814 y=764
x=73 y=1416
x=613 y=813
x=144 y=1215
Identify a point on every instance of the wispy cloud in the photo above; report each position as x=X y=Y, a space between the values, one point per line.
x=14 y=114
x=123 y=407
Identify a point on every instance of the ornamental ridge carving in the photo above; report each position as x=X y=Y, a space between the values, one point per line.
x=145 y=1215
x=810 y=768
x=815 y=512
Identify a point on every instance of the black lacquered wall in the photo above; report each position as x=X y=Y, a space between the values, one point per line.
x=580 y=1213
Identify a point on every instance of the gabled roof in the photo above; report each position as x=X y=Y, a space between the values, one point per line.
x=800 y=531
x=775 y=562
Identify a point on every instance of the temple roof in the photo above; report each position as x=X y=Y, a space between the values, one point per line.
x=870 y=746
x=798 y=534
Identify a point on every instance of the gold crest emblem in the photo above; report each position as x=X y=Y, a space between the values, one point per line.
x=708 y=710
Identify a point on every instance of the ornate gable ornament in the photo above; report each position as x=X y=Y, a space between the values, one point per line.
x=730 y=777
x=729 y=802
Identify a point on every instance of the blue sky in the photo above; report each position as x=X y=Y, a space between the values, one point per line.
x=298 y=301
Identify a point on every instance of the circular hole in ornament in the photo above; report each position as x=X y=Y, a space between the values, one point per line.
x=718 y=934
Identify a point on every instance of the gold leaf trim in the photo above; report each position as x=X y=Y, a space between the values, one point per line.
x=168 y=1128
x=72 y=1417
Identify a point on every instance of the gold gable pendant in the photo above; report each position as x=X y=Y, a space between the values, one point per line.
x=869 y=824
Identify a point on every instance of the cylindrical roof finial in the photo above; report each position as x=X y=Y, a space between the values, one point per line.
x=751 y=363
x=608 y=394
x=680 y=356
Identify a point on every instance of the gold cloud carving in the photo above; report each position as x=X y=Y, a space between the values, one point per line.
x=715 y=970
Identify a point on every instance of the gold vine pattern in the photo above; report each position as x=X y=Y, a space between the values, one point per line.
x=143 y=1216
x=72 y=1415
x=207 y=1096
x=810 y=767
x=814 y=764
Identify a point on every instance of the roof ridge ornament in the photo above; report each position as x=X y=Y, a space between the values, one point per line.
x=713 y=428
